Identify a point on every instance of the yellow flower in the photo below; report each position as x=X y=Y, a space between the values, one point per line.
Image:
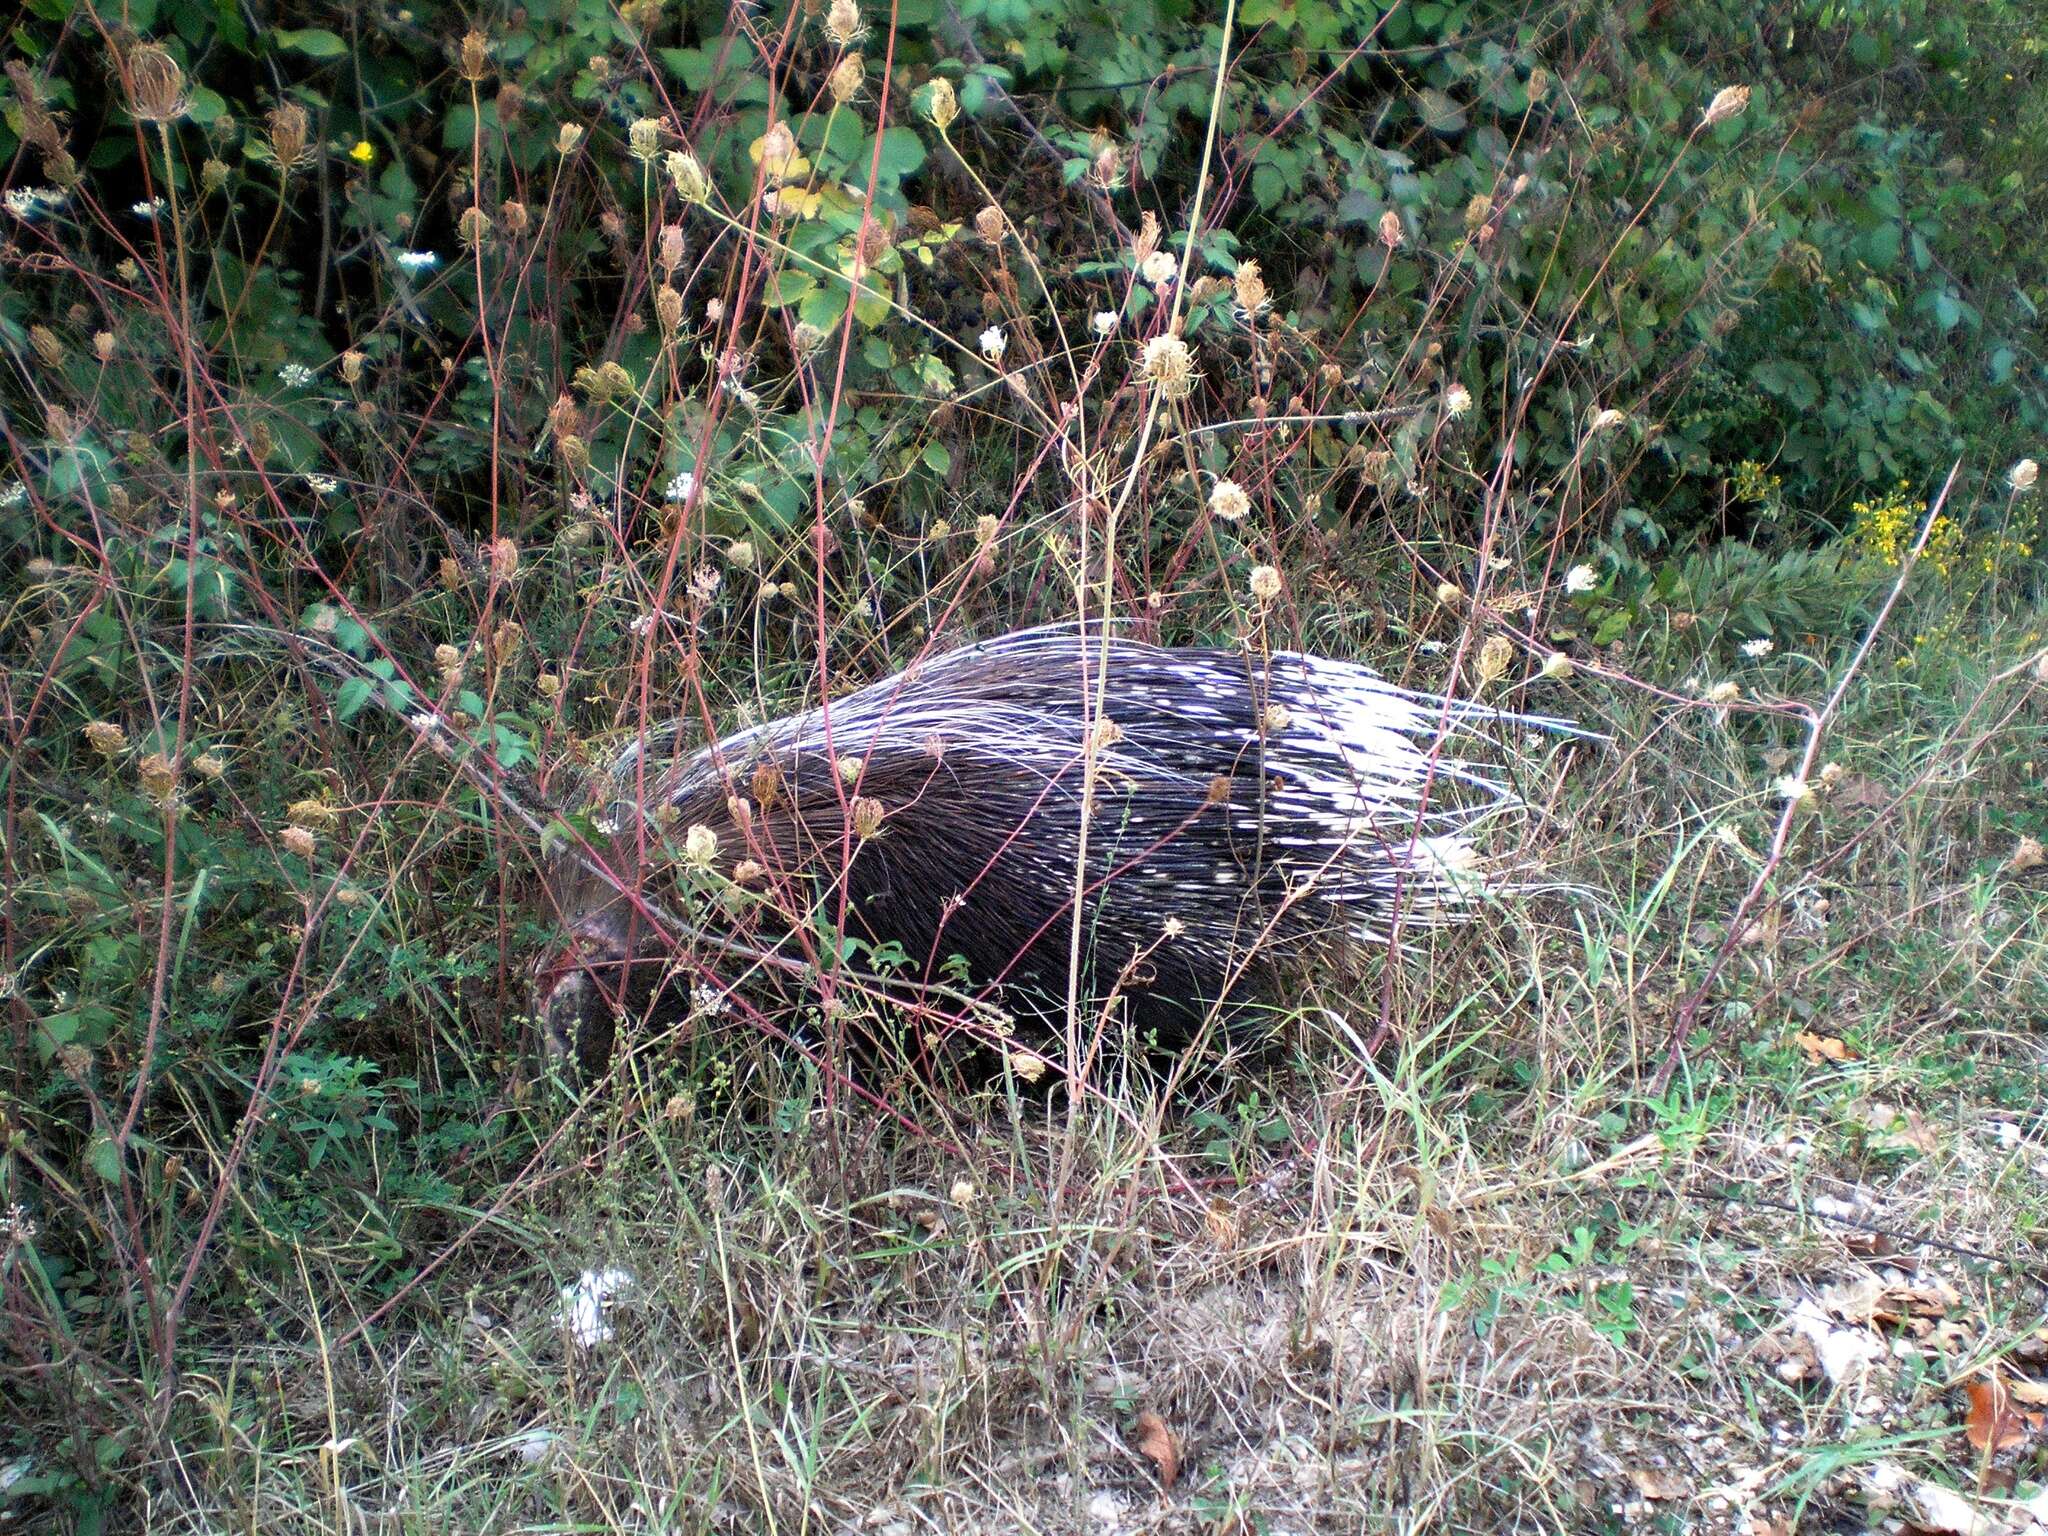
x=363 y=153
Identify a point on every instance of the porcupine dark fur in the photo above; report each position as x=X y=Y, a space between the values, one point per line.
x=1246 y=810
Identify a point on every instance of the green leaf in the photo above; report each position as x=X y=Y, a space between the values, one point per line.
x=104 y=1158
x=938 y=458
x=313 y=42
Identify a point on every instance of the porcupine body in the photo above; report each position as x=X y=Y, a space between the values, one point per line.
x=1246 y=811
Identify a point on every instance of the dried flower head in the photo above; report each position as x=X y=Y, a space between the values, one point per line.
x=941 y=105
x=473 y=57
x=1228 y=502
x=504 y=559
x=1159 y=268
x=1604 y=420
x=159 y=777
x=691 y=182
x=1724 y=693
x=668 y=308
x=515 y=216
x=1457 y=401
x=1169 y=366
x=1265 y=583
x=843 y=24
x=700 y=845
x=668 y=248
x=643 y=138
x=1449 y=594
x=2023 y=475
x=847 y=77
x=990 y=223
x=209 y=765
x=1252 y=295
x=106 y=738
x=1727 y=102
x=866 y=813
x=1494 y=658
x=156 y=86
x=1392 y=236
x=567 y=137
x=300 y=841
x=1557 y=666
x=289 y=140
x=473 y=226
x=1106 y=170
x=46 y=345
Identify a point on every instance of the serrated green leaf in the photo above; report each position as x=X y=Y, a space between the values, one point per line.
x=313 y=42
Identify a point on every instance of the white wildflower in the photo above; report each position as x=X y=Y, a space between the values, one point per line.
x=2023 y=475
x=297 y=375
x=12 y=494
x=1265 y=583
x=1104 y=321
x=1758 y=648
x=1229 y=502
x=148 y=208
x=682 y=488
x=994 y=343
x=700 y=844
x=1581 y=578
x=1168 y=363
x=1159 y=268
x=27 y=202
x=418 y=261
x=707 y=1002
x=322 y=485
x=1457 y=401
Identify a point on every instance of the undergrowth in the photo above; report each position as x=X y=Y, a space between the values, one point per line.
x=406 y=410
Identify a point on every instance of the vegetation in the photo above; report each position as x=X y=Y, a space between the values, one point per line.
x=406 y=407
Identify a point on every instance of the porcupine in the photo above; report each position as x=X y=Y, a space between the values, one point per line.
x=1248 y=810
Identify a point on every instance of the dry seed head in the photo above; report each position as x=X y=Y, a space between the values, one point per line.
x=156 y=86
x=448 y=662
x=700 y=845
x=1252 y=297
x=567 y=137
x=691 y=183
x=668 y=252
x=1728 y=101
x=1170 y=366
x=1146 y=241
x=515 y=217
x=807 y=340
x=1265 y=583
x=1724 y=693
x=159 y=776
x=504 y=559
x=314 y=815
x=548 y=685
x=1449 y=594
x=473 y=226
x=2023 y=475
x=2029 y=855
x=1107 y=171
x=103 y=345
x=289 y=140
x=474 y=56
x=986 y=527
x=942 y=106
x=1229 y=502
x=299 y=840
x=46 y=345
x=643 y=138
x=1557 y=667
x=1605 y=419
x=209 y=765
x=451 y=573
x=866 y=812
x=668 y=308
x=847 y=77
x=1494 y=657
x=990 y=223
x=1392 y=236
x=106 y=738
x=843 y=24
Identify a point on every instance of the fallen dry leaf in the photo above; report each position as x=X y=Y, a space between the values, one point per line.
x=2033 y=1393
x=1993 y=1424
x=1655 y=1484
x=1768 y=1525
x=1158 y=1445
x=1823 y=1048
